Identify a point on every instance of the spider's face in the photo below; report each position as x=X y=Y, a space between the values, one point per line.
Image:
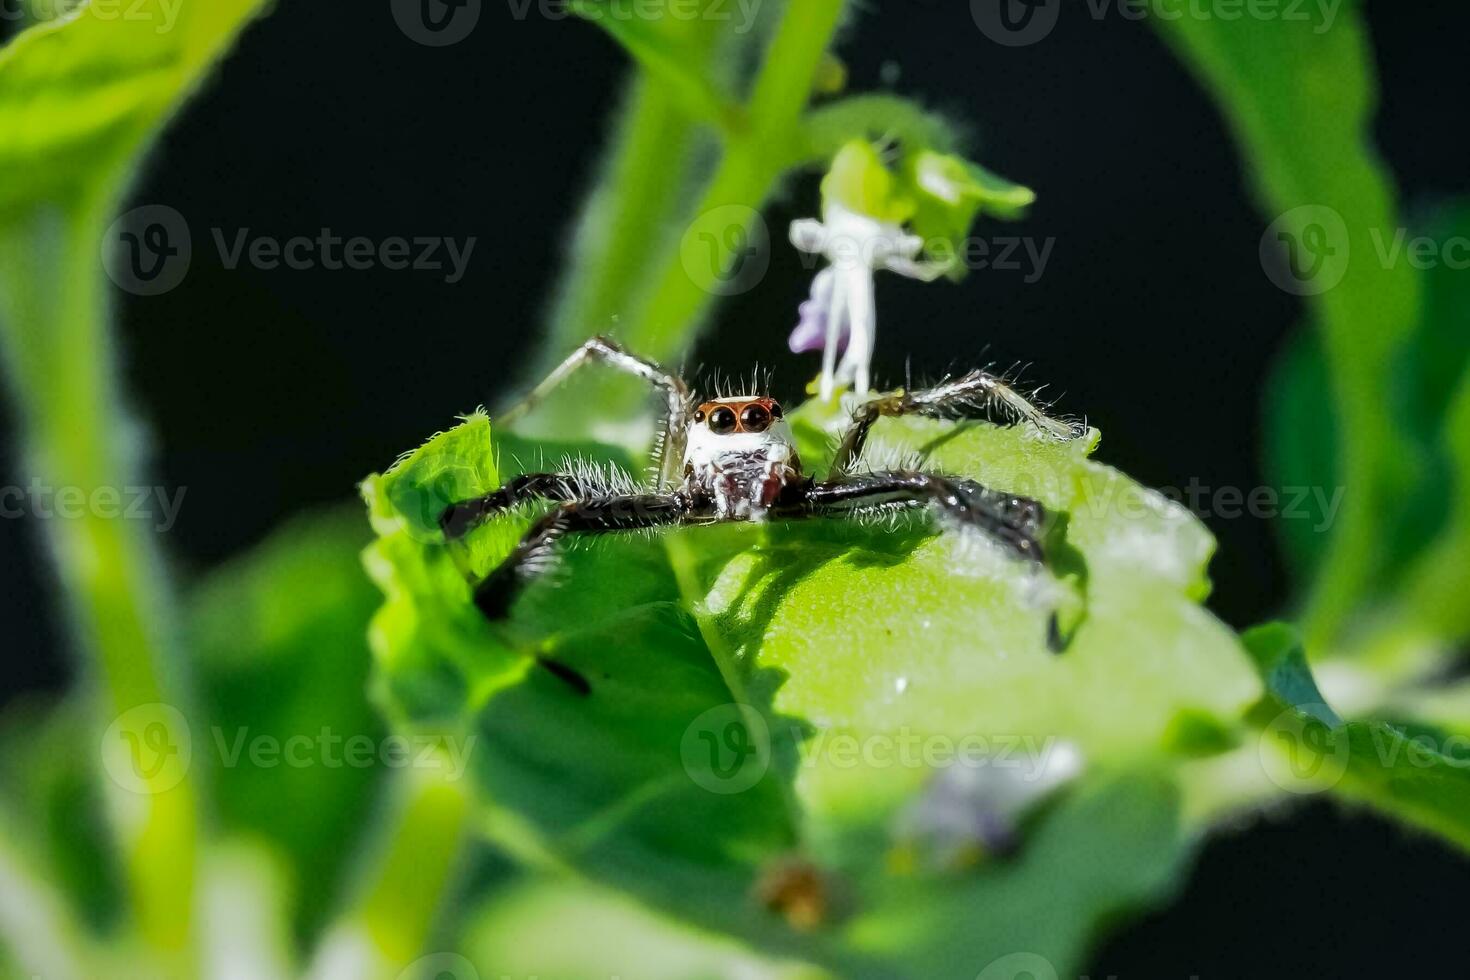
x=740 y=452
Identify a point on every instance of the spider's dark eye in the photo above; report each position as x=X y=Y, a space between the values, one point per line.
x=722 y=420
x=699 y=415
x=755 y=418
x=776 y=412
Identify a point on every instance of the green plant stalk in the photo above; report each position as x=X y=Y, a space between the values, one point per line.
x=667 y=306
x=387 y=927
x=1271 y=81
x=77 y=136
x=622 y=219
x=76 y=435
x=1439 y=584
x=1367 y=452
x=750 y=168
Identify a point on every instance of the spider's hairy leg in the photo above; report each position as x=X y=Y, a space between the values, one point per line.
x=603 y=350
x=1016 y=522
x=459 y=518
x=535 y=553
x=973 y=395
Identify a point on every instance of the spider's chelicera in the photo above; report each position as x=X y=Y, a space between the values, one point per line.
x=734 y=459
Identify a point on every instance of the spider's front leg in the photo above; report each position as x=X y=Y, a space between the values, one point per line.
x=536 y=552
x=605 y=351
x=972 y=396
x=459 y=518
x=1016 y=522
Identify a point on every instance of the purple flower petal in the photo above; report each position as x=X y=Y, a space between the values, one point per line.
x=811 y=329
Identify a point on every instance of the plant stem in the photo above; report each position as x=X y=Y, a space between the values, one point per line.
x=665 y=303
x=387 y=928
x=620 y=219
x=77 y=436
x=748 y=171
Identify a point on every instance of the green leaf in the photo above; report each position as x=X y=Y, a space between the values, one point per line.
x=1300 y=100
x=951 y=634
x=523 y=932
x=1277 y=651
x=674 y=50
x=1437 y=381
x=700 y=757
x=1427 y=384
x=951 y=194
x=1301 y=448
x=859 y=181
x=875 y=117
x=1307 y=748
x=280 y=643
x=79 y=96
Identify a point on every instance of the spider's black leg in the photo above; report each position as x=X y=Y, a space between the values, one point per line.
x=970 y=396
x=675 y=392
x=459 y=518
x=1016 y=522
x=534 y=555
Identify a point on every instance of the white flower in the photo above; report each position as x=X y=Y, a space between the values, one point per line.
x=840 y=316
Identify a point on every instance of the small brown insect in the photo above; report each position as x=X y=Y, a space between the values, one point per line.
x=797 y=891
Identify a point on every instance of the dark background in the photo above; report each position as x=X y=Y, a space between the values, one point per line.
x=268 y=392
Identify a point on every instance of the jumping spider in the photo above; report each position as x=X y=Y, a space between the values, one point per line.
x=733 y=459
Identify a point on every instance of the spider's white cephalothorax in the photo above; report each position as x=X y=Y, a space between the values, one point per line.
x=739 y=452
